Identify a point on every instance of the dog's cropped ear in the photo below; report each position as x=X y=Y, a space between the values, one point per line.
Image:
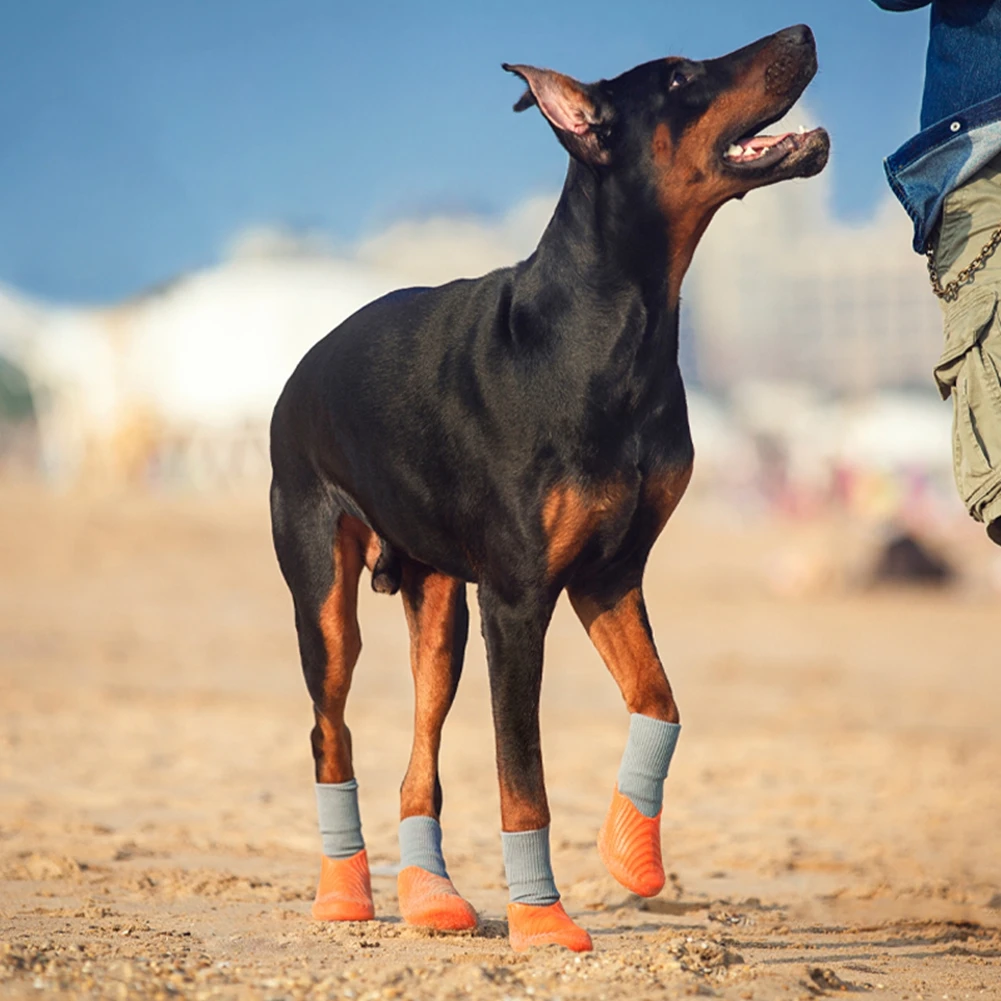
x=570 y=108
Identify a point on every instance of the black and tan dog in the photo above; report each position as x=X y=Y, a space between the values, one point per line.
x=525 y=432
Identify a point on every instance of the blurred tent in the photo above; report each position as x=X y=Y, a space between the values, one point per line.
x=184 y=377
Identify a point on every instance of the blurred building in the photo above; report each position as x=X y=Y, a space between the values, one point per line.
x=782 y=291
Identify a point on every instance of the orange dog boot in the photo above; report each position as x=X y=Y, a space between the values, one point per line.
x=431 y=901
x=534 y=925
x=345 y=890
x=629 y=845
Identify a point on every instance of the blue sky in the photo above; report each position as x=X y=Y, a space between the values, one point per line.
x=136 y=138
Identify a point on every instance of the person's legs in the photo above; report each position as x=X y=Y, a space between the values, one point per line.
x=970 y=364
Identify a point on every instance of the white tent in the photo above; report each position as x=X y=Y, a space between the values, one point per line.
x=200 y=360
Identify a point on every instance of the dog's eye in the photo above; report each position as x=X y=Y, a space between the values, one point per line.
x=678 y=79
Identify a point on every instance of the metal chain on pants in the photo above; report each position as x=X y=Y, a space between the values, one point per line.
x=951 y=291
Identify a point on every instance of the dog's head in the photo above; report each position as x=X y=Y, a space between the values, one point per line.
x=684 y=133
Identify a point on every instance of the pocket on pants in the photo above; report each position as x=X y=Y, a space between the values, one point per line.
x=970 y=369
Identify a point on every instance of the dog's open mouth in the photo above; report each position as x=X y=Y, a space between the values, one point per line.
x=761 y=153
x=767 y=151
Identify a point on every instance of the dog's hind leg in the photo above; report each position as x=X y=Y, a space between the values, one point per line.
x=438 y=619
x=321 y=556
x=629 y=840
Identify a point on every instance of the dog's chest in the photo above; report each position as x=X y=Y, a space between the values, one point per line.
x=599 y=517
x=574 y=517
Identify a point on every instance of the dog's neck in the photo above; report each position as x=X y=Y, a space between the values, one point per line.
x=618 y=266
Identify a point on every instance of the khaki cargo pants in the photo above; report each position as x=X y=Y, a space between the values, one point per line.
x=970 y=366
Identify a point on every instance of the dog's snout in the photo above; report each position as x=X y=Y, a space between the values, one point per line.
x=798 y=34
x=793 y=61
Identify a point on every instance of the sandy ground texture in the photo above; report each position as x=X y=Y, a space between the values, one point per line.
x=832 y=820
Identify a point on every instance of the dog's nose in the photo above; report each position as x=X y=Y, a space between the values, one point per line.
x=798 y=34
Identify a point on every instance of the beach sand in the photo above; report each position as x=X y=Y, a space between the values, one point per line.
x=832 y=820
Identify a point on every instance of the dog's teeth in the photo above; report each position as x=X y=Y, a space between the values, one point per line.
x=735 y=151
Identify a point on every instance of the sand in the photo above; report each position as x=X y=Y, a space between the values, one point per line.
x=832 y=819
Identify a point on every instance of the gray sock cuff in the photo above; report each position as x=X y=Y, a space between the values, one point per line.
x=340 y=821
x=420 y=845
x=529 y=871
x=645 y=762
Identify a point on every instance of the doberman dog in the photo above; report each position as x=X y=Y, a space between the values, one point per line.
x=526 y=432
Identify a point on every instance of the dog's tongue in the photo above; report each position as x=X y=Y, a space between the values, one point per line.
x=758 y=143
x=754 y=148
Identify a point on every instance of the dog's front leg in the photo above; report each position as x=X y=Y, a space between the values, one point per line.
x=629 y=840
x=515 y=634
